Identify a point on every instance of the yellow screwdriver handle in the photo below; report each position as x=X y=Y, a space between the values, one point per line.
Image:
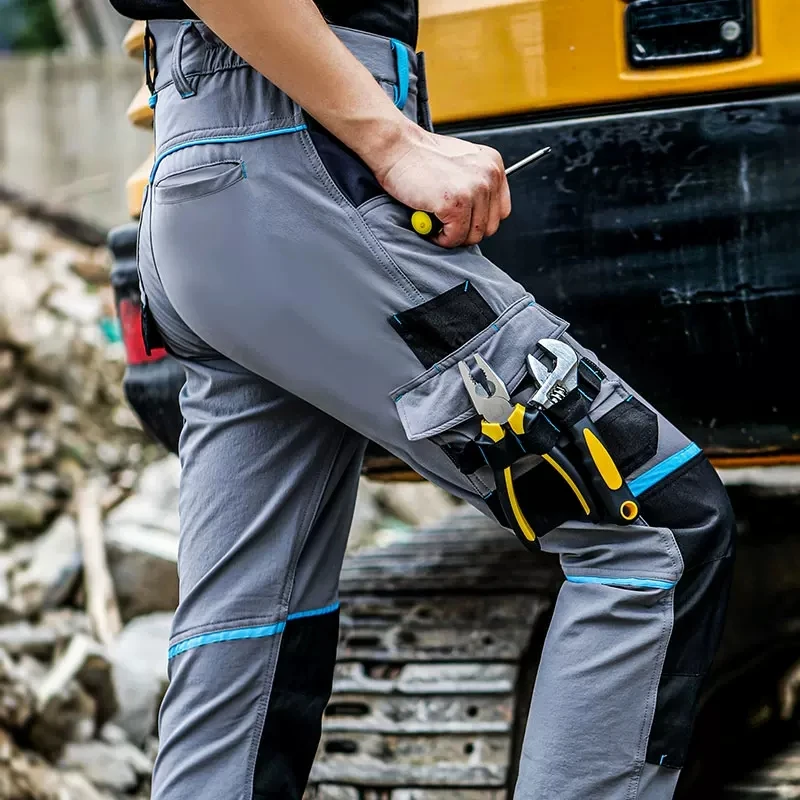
x=425 y=224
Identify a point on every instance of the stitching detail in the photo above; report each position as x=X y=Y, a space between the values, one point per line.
x=211 y=140
x=401 y=280
x=652 y=693
x=236 y=130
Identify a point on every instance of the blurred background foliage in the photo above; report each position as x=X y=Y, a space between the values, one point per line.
x=28 y=25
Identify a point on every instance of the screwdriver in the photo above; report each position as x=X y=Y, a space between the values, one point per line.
x=427 y=225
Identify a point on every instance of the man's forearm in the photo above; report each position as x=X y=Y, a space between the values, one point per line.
x=290 y=43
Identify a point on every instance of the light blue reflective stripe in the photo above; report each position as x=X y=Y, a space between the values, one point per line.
x=314 y=612
x=401 y=60
x=660 y=471
x=236 y=634
x=639 y=583
x=225 y=636
x=223 y=140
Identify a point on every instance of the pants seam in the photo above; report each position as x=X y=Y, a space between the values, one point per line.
x=652 y=695
x=373 y=244
x=286 y=592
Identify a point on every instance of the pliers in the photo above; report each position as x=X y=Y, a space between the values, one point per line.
x=498 y=415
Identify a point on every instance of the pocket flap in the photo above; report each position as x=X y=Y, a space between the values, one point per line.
x=437 y=400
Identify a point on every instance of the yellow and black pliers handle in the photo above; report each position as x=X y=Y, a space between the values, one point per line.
x=519 y=422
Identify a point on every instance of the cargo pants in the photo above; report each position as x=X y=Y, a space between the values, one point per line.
x=310 y=319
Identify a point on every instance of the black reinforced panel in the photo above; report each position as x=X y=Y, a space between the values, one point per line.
x=693 y=503
x=300 y=691
x=441 y=325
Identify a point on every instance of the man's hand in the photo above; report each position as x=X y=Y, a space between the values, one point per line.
x=462 y=183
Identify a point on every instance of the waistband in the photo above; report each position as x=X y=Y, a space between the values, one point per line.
x=199 y=51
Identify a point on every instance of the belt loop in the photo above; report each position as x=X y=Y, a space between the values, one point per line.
x=401 y=62
x=181 y=83
x=149 y=59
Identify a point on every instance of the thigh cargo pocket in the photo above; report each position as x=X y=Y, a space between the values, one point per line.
x=550 y=483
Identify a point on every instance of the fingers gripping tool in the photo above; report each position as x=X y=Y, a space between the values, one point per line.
x=499 y=416
x=554 y=385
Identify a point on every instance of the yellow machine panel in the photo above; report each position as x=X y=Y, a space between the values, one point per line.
x=491 y=58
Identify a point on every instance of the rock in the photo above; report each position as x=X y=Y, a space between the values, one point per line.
x=142 y=542
x=22 y=509
x=366 y=516
x=8 y=399
x=416 y=503
x=143 y=564
x=50 y=578
x=17 y=700
x=68 y=414
x=56 y=628
x=86 y=662
x=6 y=367
x=65 y=717
x=113 y=734
x=21 y=290
x=93 y=266
x=26 y=776
x=78 y=787
x=49 y=483
x=139 y=658
x=103 y=764
x=75 y=304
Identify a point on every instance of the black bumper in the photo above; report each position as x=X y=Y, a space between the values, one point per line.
x=671 y=241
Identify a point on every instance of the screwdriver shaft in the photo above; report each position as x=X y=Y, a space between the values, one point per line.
x=528 y=160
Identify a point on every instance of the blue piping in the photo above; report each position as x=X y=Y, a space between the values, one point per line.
x=401 y=60
x=225 y=636
x=637 y=583
x=237 y=634
x=152 y=100
x=314 y=612
x=223 y=140
x=660 y=471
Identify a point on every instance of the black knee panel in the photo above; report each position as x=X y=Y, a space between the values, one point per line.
x=694 y=505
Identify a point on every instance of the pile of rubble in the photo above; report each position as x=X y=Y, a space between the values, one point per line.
x=88 y=533
x=71 y=453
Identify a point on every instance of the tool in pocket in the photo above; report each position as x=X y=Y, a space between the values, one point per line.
x=427 y=225
x=499 y=417
x=555 y=384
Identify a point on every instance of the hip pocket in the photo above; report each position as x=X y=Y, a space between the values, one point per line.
x=198 y=181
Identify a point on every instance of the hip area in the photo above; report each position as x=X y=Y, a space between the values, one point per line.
x=204 y=92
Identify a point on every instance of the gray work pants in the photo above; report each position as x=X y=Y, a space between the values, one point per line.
x=310 y=319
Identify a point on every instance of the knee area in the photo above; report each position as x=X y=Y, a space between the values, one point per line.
x=695 y=506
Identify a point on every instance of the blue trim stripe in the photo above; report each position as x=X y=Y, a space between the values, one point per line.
x=152 y=100
x=314 y=612
x=225 y=636
x=223 y=140
x=660 y=471
x=237 y=634
x=401 y=60
x=636 y=583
